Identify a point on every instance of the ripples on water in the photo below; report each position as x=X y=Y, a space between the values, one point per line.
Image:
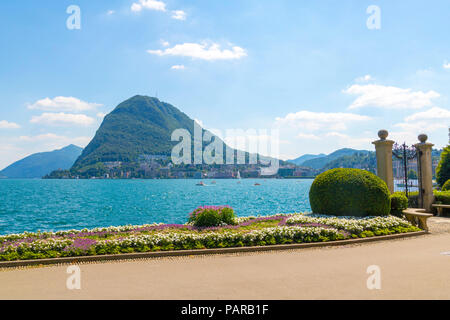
x=50 y=205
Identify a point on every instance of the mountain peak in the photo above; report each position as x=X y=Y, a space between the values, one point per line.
x=39 y=164
x=141 y=99
x=139 y=125
x=71 y=147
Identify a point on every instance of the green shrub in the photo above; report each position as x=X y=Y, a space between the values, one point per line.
x=350 y=192
x=212 y=216
x=442 y=197
x=399 y=202
x=446 y=186
x=443 y=168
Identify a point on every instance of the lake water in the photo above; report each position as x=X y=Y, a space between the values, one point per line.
x=50 y=205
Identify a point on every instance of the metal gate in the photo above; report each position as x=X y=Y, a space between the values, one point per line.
x=406 y=170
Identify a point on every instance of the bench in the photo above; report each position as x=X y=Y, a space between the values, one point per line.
x=440 y=208
x=418 y=217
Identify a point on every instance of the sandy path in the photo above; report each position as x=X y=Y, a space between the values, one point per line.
x=413 y=268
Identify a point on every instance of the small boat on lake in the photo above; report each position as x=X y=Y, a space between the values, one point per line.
x=239 y=177
x=200 y=184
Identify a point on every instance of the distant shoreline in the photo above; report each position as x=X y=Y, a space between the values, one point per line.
x=205 y=179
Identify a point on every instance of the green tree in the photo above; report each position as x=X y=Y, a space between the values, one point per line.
x=412 y=174
x=446 y=186
x=443 y=169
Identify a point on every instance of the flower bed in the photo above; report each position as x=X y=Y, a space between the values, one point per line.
x=357 y=227
x=249 y=231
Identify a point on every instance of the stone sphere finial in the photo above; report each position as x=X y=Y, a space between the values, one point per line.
x=383 y=134
x=423 y=138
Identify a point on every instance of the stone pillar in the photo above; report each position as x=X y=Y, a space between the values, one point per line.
x=425 y=172
x=383 y=149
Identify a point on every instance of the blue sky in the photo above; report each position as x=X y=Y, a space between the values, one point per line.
x=311 y=69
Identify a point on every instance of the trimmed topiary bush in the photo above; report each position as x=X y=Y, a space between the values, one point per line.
x=446 y=186
x=443 y=168
x=399 y=202
x=442 y=197
x=212 y=216
x=350 y=192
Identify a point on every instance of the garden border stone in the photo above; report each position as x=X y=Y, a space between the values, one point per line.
x=184 y=253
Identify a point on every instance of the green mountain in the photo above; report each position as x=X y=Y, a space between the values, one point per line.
x=39 y=164
x=301 y=160
x=359 y=160
x=320 y=162
x=134 y=141
x=138 y=126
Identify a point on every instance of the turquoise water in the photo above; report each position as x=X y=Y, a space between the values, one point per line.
x=50 y=205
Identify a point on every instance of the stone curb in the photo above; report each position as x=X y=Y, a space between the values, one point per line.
x=183 y=253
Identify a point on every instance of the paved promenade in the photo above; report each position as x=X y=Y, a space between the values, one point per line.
x=412 y=268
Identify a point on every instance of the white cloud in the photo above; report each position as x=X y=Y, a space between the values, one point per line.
x=56 y=139
x=389 y=97
x=110 y=12
x=63 y=119
x=202 y=51
x=365 y=78
x=179 y=15
x=433 y=121
x=337 y=135
x=446 y=65
x=136 y=7
x=307 y=136
x=428 y=121
x=312 y=121
x=344 y=140
x=63 y=104
x=165 y=43
x=409 y=132
x=419 y=127
x=101 y=115
x=178 y=67
x=432 y=114
x=8 y=125
x=149 y=5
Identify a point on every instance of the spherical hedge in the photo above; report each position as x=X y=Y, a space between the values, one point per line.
x=446 y=186
x=349 y=192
